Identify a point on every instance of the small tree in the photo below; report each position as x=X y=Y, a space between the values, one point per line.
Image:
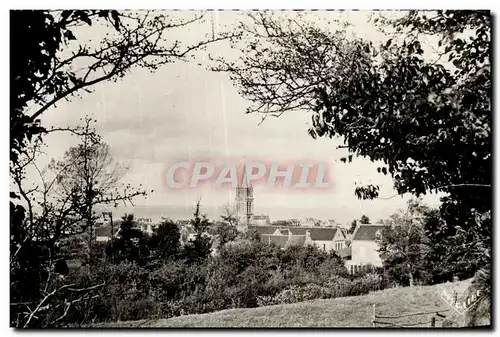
x=404 y=246
x=230 y=215
x=354 y=224
x=364 y=220
x=88 y=173
x=52 y=214
x=131 y=244
x=199 y=248
x=223 y=232
x=165 y=241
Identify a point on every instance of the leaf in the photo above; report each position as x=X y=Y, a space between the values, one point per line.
x=66 y=14
x=85 y=18
x=388 y=43
x=69 y=35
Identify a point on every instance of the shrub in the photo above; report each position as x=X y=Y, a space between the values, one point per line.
x=245 y=273
x=336 y=286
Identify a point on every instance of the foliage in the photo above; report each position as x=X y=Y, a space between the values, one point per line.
x=383 y=100
x=354 y=224
x=48 y=68
x=404 y=247
x=242 y=275
x=336 y=287
x=165 y=241
x=54 y=221
x=223 y=232
x=480 y=314
x=364 y=219
x=56 y=63
x=424 y=116
x=36 y=67
x=429 y=123
x=230 y=215
x=131 y=245
x=88 y=176
x=285 y=223
x=418 y=246
x=199 y=248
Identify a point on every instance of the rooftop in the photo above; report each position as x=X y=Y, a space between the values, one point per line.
x=278 y=240
x=322 y=234
x=367 y=232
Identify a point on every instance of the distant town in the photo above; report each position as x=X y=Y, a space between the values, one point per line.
x=356 y=245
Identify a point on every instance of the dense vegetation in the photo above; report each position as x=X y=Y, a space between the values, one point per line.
x=421 y=110
x=146 y=277
x=155 y=277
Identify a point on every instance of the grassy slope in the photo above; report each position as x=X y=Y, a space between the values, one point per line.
x=339 y=312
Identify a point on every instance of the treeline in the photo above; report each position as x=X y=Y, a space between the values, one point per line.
x=138 y=276
x=418 y=246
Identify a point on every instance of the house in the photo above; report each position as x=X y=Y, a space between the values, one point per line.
x=281 y=237
x=364 y=248
x=261 y=220
x=106 y=232
x=326 y=239
x=146 y=225
x=183 y=222
x=346 y=253
x=187 y=234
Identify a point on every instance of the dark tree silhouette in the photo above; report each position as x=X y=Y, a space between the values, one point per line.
x=199 y=248
x=354 y=224
x=364 y=219
x=165 y=241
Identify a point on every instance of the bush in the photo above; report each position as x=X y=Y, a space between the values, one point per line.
x=336 y=286
x=246 y=273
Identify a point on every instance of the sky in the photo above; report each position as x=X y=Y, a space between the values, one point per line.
x=184 y=111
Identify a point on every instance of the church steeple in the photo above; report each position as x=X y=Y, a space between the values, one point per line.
x=244 y=200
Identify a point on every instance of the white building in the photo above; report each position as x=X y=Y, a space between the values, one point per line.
x=364 y=248
x=261 y=220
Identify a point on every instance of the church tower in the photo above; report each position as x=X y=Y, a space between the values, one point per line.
x=244 y=202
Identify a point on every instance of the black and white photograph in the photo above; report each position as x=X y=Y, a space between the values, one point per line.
x=250 y=169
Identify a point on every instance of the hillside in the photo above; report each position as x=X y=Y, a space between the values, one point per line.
x=340 y=312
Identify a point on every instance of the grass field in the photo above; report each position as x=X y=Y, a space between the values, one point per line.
x=339 y=312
